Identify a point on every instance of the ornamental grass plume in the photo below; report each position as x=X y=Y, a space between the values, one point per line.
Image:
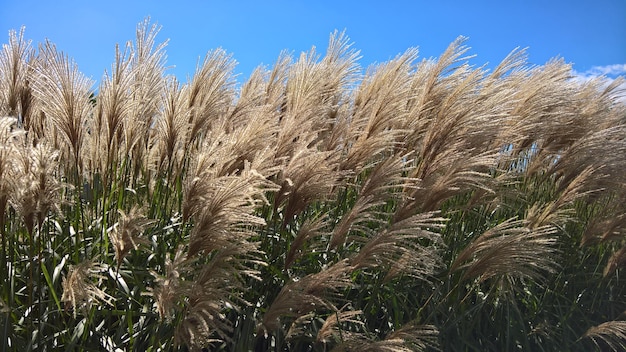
x=509 y=249
x=378 y=112
x=402 y=248
x=36 y=189
x=210 y=295
x=308 y=294
x=381 y=185
x=332 y=331
x=310 y=229
x=64 y=96
x=126 y=233
x=16 y=96
x=167 y=288
x=408 y=338
x=310 y=176
x=414 y=205
x=8 y=149
x=113 y=106
x=210 y=93
x=611 y=334
x=80 y=292
x=172 y=129
x=225 y=211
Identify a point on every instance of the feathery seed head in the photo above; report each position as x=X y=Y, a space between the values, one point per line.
x=79 y=291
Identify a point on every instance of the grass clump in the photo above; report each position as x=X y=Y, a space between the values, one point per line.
x=419 y=205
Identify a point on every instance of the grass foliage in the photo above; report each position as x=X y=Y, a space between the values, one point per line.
x=415 y=205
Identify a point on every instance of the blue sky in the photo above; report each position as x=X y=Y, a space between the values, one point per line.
x=589 y=34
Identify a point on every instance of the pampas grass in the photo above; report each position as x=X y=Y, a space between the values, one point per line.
x=412 y=205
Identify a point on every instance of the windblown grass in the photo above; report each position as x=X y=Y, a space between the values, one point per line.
x=416 y=205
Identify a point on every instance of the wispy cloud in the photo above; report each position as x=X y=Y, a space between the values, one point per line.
x=609 y=74
x=608 y=70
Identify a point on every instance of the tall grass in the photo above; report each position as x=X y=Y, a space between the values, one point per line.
x=416 y=205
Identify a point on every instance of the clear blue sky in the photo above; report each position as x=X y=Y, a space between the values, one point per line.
x=586 y=33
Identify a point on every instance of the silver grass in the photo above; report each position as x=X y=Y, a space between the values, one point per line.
x=172 y=127
x=113 y=108
x=426 y=90
x=409 y=338
x=454 y=120
x=64 y=94
x=616 y=261
x=167 y=288
x=36 y=191
x=360 y=171
x=608 y=227
x=542 y=98
x=301 y=327
x=147 y=64
x=310 y=293
x=125 y=235
x=310 y=229
x=603 y=149
x=211 y=294
x=239 y=135
x=559 y=211
x=341 y=63
x=250 y=142
x=313 y=91
x=509 y=249
x=15 y=91
x=301 y=118
x=272 y=82
x=211 y=91
x=449 y=173
x=309 y=176
x=8 y=149
x=513 y=62
x=80 y=293
x=398 y=249
x=225 y=213
x=335 y=329
x=416 y=336
x=611 y=334
x=379 y=111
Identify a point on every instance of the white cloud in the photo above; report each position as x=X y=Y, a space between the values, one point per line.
x=608 y=74
x=608 y=70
